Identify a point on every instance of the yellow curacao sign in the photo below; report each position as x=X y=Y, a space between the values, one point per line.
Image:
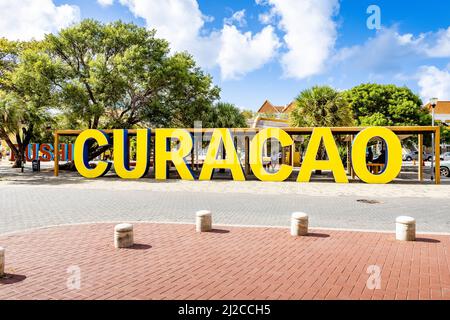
x=166 y=152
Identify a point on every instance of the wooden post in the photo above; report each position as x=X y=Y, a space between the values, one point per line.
x=349 y=160
x=56 y=150
x=199 y=146
x=420 y=157
x=247 y=156
x=153 y=155
x=292 y=154
x=351 y=165
x=437 y=149
x=193 y=154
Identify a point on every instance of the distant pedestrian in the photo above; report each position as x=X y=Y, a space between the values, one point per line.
x=369 y=157
x=274 y=160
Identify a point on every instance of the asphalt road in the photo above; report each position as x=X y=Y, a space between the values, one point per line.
x=26 y=207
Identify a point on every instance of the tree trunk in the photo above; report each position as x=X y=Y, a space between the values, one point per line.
x=93 y=153
x=17 y=163
x=19 y=152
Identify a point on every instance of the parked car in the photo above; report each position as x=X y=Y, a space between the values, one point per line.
x=445 y=169
x=445 y=156
x=414 y=155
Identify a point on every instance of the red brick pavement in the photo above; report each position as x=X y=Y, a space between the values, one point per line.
x=174 y=262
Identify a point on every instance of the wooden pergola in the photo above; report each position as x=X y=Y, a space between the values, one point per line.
x=337 y=131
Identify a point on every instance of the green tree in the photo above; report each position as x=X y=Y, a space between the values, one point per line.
x=119 y=75
x=248 y=114
x=386 y=105
x=321 y=106
x=226 y=115
x=25 y=95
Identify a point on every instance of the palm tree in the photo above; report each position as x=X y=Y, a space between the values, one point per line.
x=226 y=115
x=321 y=106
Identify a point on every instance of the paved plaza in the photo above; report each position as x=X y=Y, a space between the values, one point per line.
x=53 y=226
x=30 y=201
x=174 y=262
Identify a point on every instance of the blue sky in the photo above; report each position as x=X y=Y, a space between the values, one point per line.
x=273 y=49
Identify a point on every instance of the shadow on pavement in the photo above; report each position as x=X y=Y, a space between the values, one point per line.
x=427 y=240
x=318 y=235
x=219 y=231
x=12 y=279
x=140 y=247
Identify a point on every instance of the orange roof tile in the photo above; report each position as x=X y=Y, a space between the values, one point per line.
x=267 y=105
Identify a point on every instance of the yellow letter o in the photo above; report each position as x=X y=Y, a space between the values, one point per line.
x=393 y=155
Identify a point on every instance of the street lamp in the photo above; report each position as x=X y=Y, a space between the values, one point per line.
x=433 y=103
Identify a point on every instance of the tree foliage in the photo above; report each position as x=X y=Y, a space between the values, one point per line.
x=226 y=115
x=119 y=75
x=25 y=94
x=321 y=106
x=386 y=105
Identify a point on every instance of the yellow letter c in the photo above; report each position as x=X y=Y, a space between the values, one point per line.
x=82 y=154
x=256 y=154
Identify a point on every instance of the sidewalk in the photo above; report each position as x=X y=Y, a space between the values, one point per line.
x=174 y=262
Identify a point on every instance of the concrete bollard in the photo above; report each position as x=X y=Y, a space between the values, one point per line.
x=299 y=224
x=405 y=229
x=203 y=221
x=2 y=262
x=123 y=236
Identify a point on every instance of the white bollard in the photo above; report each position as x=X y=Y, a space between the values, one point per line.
x=405 y=228
x=2 y=262
x=123 y=236
x=203 y=221
x=299 y=224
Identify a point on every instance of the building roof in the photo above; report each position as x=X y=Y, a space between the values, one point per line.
x=443 y=107
x=268 y=107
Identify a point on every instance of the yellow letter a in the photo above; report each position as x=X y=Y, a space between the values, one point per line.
x=334 y=163
x=231 y=160
x=163 y=153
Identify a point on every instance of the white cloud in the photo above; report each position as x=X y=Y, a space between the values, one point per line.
x=182 y=23
x=105 y=3
x=388 y=51
x=179 y=21
x=310 y=33
x=440 y=48
x=242 y=53
x=434 y=82
x=28 y=19
x=237 y=17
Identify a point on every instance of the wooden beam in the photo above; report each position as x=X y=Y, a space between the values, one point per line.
x=420 y=158
x=292 y=131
